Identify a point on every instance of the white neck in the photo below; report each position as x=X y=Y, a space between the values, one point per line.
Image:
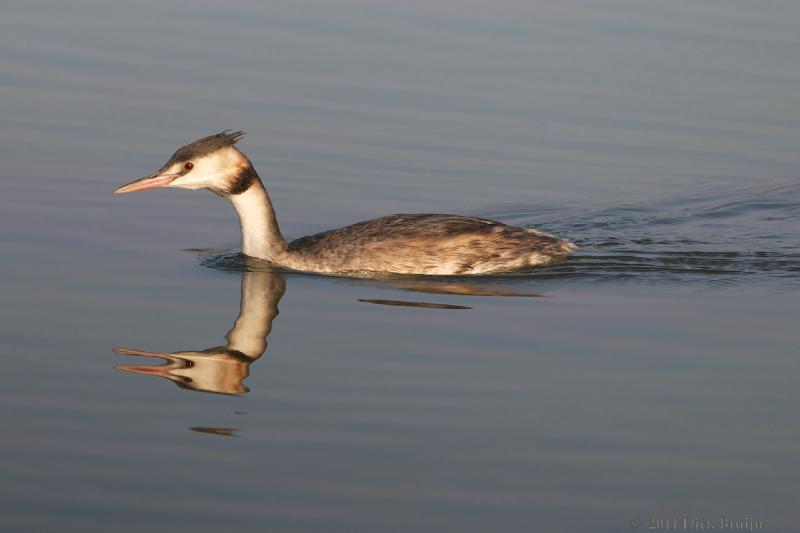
x=261 y=237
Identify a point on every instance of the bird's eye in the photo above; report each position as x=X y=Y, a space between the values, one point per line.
x=188 y=166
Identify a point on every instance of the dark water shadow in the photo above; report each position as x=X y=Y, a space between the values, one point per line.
x=405 y=303
x=220 y=432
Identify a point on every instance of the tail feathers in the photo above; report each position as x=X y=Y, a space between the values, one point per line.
x=567 y=247
x=560 y=246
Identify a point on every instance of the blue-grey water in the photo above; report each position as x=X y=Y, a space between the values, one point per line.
x=649 y=381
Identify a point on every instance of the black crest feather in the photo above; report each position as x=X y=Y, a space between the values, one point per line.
x=205 y=145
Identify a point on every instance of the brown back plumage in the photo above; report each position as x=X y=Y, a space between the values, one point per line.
x=426 y=244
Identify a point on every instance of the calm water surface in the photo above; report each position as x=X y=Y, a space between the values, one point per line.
x=653 y=375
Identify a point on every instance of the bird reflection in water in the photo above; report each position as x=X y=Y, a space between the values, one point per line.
x=223 y=369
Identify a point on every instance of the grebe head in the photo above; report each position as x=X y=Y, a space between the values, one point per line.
x=212 y=162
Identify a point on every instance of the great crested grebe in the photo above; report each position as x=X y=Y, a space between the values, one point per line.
x=396 y=244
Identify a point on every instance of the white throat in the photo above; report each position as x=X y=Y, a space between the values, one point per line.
x=261 y=237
